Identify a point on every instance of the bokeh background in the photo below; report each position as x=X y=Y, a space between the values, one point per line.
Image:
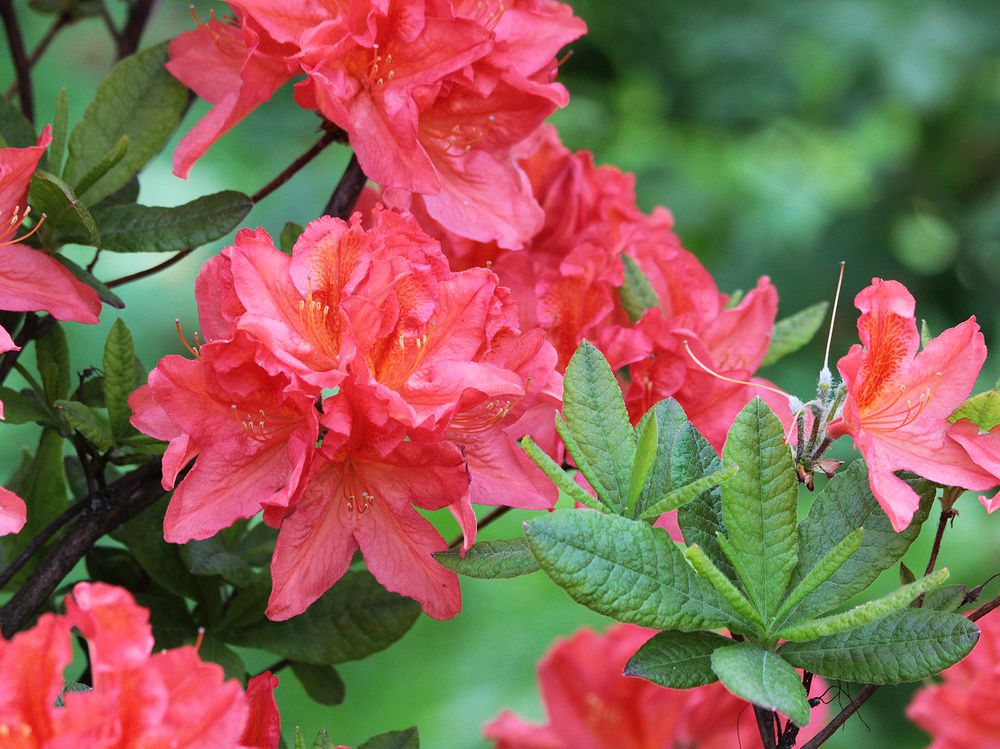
x=784 y=137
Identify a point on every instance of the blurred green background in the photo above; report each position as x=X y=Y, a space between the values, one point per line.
x=785 y=137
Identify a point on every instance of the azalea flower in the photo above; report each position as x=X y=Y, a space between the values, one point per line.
x=898 y=400
x=960 y=710
x=13 y=513
x=591 y=705
x=171 y=698
x=432 y=96
x=357 y=496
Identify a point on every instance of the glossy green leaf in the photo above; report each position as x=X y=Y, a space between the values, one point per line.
x=983 y=410
x=408 y=739
x=679 y=660
x=759 y=506
x=119 y=376
x=487 y=560
x=722 y=584
x=87 y=422
x=559 y=477
x=866 y=612
x=792 y=333
x=763 y=678
x=65 y=213
x=355 y=618
x=822 y=571
x=322 y=683
x=844 y=505
x=102 y=167
x=689 y=492
x=139 y=99
x=596 y=417
x=626 y=570
x=909 y=645
x=138 y=228
x=636 y=293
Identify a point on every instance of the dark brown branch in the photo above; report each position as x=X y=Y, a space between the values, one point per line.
x=22 y=66
x=840 y=718
x=40 y=540
x=129 y=37
x=985 y=609
x=786 y=740
x=150 y=271
x=123 y=500
x=43 y=44
x=345 y=197
x=765 y=724
x=496 y=514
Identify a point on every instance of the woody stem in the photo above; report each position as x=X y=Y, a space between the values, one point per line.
x=22 y=66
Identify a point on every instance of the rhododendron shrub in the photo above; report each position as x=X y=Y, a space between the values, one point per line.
x=481 y=320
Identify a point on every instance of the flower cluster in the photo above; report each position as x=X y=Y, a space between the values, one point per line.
x=592 y=705
x=410 y=378
x=568 y=278
x=433 y=96
x=171 y=698
x=31 y=280
x=952 y=711
x=898 y=402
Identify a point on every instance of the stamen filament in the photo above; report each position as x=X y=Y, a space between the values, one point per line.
x=722 y=377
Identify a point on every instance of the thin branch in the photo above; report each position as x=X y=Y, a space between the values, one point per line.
x=946 y=515
x=131 y=34
x=840 y=718
x=786 y=740
x=345 y=197
x=123 y=500
x=765 y=724
x=40 y=540
x=276 y=667
x=498 y=513
x=330 y=136
x=22 y=66
x=985 y=609
x=62 y=22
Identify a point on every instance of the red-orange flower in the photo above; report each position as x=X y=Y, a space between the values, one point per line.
x=898 y=400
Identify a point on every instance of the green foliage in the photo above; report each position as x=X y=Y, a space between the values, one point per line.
x=60 y=131
x=679 y=660
x=139 y=99
x=683 y=494
x=792 y=333
x=322 y=683
x=119 y=376
x=65 y=213
x=559 y=477
x=52 y=362
x=983 y=410
x=87 y=422
x=645 y=455
x=763 y=678
x=636 y=293
x=107 y=162
x=15 y=130
x=501 y=558
x=84 y=276
x=408 y=739
x=130 y=227
x=670 y=420
x=290 y=234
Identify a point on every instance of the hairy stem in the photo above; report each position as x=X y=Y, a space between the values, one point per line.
x=22 y=66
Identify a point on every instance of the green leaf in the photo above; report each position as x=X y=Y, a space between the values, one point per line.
x=127 y=194
x=84 y=276
x=559 y=477
x=670 y=421
x=322 y=683
x=322 y=740
x=822 y=571
x=65 y=213
x=983 y=410
x=792 y=333
x=906 y=575
x=60 y=129
x=596 y=417
x=94 y=427
x=626 y=570
x=722 y=584
x=408 y=739
x=138 y=228
x=355 y=618
x=763 y=678
x=925 y=334
x=102 y=167
x=759 y=505
x=213 y=556
x=22 y=407
x=161 y=561
x=679 y=660
x=139 y=99
x=52 y=361
x=866 y=612
x=689 y=492
x=15 y=129
x=645 y=455
x=487 y=560
x=948 y=598
x=43 y=488
x=289 y=236
x=214 y=649
x=119 y=376
x=636 y=293
x=846 y=504
x=701 y=519
x=909 y=645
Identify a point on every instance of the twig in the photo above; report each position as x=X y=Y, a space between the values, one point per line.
x=985 y=609
x=40 y=540
x=62 y=22
x=786 y=740
x=135 y=24
x=124 y=499
x=276 y=667
x=840 y=718
x=765 y=724
x=345 y=197
x=498 y=513
x=22 y=66
x=946 y=515
x=330 y=136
